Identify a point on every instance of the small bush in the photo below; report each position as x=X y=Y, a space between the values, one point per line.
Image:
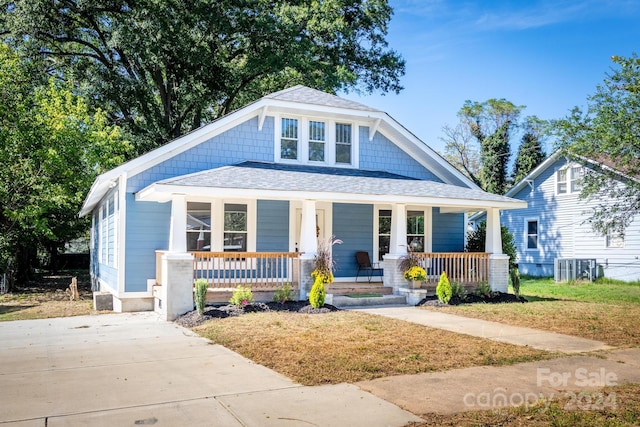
x=201 y=294
x=443 y=290
x=283 y=294
x=514 y=273
x=241 y=296
x=457 y=290
x=317 y=294
x=484 y=290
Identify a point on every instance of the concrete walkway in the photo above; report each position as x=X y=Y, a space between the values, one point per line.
x=134 y=369
x=534 y=338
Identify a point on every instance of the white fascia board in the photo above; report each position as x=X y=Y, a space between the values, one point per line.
x=163 y=192
x=533 y=174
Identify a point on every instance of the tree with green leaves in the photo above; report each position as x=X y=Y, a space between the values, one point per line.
x=51 y=149
x=477 y=238
x=490 y=124
x=162 y=68
x=530 y=153
x=608 y=132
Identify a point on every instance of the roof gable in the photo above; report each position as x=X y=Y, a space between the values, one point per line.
x=302 y=100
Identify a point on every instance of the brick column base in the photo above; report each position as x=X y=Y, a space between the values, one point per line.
x=499 y=272
x=306 y=281
x=393 y=277
x=177 y=285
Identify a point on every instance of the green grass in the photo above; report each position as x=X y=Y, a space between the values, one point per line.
x=601 y=291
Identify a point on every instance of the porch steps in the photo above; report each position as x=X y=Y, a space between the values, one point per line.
x=343 y=301
x=346 y=288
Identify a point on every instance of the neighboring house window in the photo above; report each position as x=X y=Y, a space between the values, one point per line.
x=415 y=231
x=532 y=233
x=614 y=240
x=569 y=179
x=577 y=173
x=384 y=232
x=343 y=143
x=108 y=230
x=198 y=226
x=561 y=178
x=289 y=139
x=235 y=227
x=316 y=141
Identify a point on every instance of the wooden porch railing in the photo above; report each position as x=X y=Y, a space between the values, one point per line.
x=260 y=270
x=466 y=268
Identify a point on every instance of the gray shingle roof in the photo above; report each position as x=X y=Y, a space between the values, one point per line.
x=307 y=95
x=293 y=178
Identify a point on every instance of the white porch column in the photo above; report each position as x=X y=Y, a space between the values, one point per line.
x=178 y=228
x=493 y=244
x=308 y=231
x=393 y=277
x=398 y=243
x=498 y=262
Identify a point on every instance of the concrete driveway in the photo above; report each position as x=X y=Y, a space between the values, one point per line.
x=134 y=369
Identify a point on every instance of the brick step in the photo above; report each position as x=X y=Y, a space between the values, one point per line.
x=346 y=290
x=345 y=301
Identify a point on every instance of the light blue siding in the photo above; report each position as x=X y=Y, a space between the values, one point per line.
x=564 y=232
x=382 y=154
x=103 y=263
x=447 y=232
x=243 y=142
x=273 y=226
x=147 y=230
x=353 y=224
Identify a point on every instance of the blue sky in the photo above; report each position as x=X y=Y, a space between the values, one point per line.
x=546 y=55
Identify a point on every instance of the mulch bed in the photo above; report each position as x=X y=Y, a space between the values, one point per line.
x=495 y=298
x=192 y=318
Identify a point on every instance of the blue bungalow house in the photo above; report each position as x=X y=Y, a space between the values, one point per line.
x=245 y=199
x=553 y=236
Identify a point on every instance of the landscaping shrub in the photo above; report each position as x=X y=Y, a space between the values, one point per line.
x=443 y=290
x=484 y=290
x=201 y=294
x=514 y=273
x=317 y=294
x=283 y=294
x=241 y=296
x=458 y=291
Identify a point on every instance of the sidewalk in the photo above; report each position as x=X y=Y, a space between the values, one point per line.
x=135 y=369
x=534 y=338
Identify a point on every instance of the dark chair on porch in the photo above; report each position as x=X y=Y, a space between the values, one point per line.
x=364 y=264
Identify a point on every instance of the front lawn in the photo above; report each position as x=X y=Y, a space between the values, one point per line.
x=605 y=311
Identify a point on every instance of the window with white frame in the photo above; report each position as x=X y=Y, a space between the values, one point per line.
x=384 y=232
x=415 y=231
x=569 y=179
x=315 y=141
x=289 y=139
x=614 y=240
x=343 y=143
x=107 y=226
x=531 y=233
x=198 y=226
x=235 y=227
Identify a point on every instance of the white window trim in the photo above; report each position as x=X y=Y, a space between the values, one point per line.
x=609 y=247
x=526 y=234
x=376 y=229
x=303 y=141
x=217 y=223
x=569 y=169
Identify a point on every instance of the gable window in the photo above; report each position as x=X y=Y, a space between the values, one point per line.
x=561 y=179
x=531 y=232
x=235 y=227
x=289 y=139
x=577 y=173
x=614 y=240
x=198 y=226
x=415 y=231
x=384 y=232
x=316 y=141
x=343 y=143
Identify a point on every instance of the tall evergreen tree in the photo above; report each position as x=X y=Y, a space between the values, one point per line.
x=530 y=153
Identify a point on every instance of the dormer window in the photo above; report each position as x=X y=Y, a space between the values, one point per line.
x=316 y=141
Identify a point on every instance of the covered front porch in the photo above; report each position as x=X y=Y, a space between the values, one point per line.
x=260 y=227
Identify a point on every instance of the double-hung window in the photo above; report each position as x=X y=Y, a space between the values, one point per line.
x=577 y=173
x=343 y=143
x=614 y=240
x=569 y=179
x=531 y=234
x=415 y=231
x=289 y=139
x=198 y=226
x=561 y=179
x=235 y=227
x=317 y=140
x=384 y=232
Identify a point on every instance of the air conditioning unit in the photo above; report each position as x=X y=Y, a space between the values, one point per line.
x=567 y=269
